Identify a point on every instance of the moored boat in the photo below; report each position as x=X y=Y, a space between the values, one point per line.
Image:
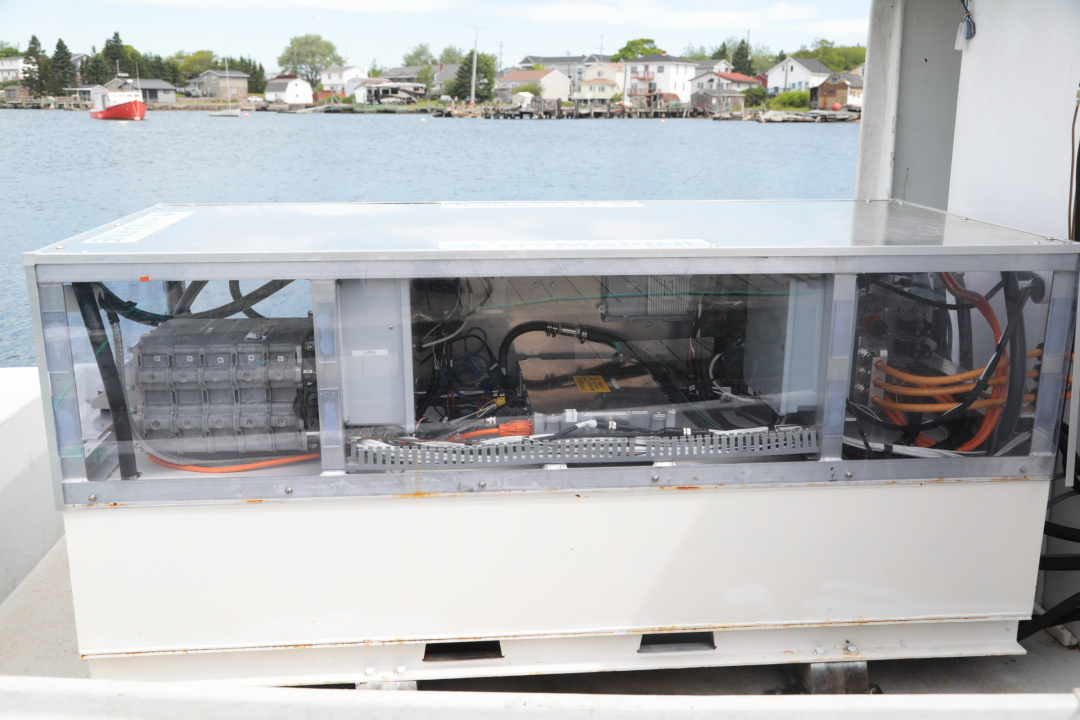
x=117 y=104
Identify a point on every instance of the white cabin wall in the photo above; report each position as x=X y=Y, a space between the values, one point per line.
x=1018 y=83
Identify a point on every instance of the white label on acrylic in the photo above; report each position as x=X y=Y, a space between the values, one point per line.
x=136 y=230
x=365 y=353
x=540 y=204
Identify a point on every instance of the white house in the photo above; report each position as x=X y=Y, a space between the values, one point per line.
x=553 y=84
x=724 y=81
x=334 y=78
x=445 y=75
x=600 y=82
x=720 y=65
x=796 y=74
x=12 y=68
x=294 y=91
x=572 y=66
x=659 y=78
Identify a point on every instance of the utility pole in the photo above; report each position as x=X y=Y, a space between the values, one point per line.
x=500 y=56
x=601 y=44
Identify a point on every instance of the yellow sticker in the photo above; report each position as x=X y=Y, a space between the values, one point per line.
x=591 y=384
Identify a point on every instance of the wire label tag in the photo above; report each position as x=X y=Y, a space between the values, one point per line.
x=136 y=230
x=591 y=384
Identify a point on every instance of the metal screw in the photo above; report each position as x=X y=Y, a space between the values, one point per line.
x=92 y=498
x=391 y=327
x=851 y=650
x=848 y=474
x=400 y=670
x=819 y=651
x=656 y=478
x=369 y=671
x=1023 y=471
x=483 y=484
x=288 y=491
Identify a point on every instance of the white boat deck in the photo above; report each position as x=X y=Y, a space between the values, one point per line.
x=37 y=638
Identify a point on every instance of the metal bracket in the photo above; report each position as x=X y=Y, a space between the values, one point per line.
x=835 y=678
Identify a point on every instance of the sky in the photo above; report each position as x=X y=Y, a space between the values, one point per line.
x=384 y=30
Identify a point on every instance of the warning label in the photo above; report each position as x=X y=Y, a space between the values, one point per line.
x=591 y=384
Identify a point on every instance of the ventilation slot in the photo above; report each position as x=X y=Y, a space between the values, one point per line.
x=677 y=642
x=449 y=651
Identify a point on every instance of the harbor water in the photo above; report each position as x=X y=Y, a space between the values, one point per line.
x=63 y=173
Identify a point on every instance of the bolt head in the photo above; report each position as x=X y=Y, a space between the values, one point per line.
x=848 y=474
x=851 y=650
x=369 y=672
x=92 y=498
x=656 y=478
x=819 y=651
x=483 y=484
x=288 y=491
x=400 y=670
x=1023 y=471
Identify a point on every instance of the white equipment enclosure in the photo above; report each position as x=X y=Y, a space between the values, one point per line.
x=302 y=444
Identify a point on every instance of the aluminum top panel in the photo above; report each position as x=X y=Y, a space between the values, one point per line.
x=468 y=230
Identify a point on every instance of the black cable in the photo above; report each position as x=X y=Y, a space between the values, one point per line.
x=110 y=378
x=129 y=311
x=919 y=298
x=972 y=396
x=1059 y=562
x=582 y=332
x=234 y=290
x=187 y=298
x=1054 y=616
x=1014 y=397
x=1061 y=532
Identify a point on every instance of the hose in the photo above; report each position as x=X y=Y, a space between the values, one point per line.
x=187 y=298
x=582 y=332
x=129 y=311
x=1062 y=563
x=1063 y=612
x=234 y=290
x=110 y=378
x=1061 y=532
x=1017 y=369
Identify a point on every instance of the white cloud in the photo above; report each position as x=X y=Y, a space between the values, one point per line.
x=786 y=11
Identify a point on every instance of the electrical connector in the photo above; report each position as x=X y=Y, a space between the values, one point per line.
x=516 y=427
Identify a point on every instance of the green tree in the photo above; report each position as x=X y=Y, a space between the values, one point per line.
x=485 y=77
x=375 y=69
x=47 y=83
x=761 y=59
x=755 y=96
x=532 y=87
x=307 y=56
x=740 y=59
x=426 y=75
x=635 y=49
x=451 y=55
x=419 y=55
x=838 y=58
x=690 y=52
x=8 y=50
x=62 y=67
x=720 y=52
x=781 y=56
x=94 y=71
x=32 y=71
x=194 y=64
x=118 y=56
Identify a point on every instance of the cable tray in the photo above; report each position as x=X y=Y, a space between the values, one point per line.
x=591 y=451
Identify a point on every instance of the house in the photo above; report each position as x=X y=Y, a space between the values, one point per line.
x=572 y=66
x=553 y=84
x=724 y=81
x=647 y=79
x=219 y=84
x=406 y=74
x=717 y=100
x=445 y=75
x=153 y=91
x=333 y=79
x=720 y=65
x=12 y=68
x=288 y=89
x=16 y=93
x=77 y=59
x=844 y=89
x=796 y=74
x=83 y=93
x=599 y=83
x=380 y=91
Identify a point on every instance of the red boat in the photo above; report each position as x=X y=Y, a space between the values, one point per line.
x=117 y=104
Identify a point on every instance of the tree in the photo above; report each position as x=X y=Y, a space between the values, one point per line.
x=838 y=58
x=532 y=87
x=255 y=71
x=62 y=67
x=720 y=52
x=740 y=59
x=761 y=59
x=755 y=96
x=193 y=64
x=690 y=52
x=47 y=84
x=94 y=71
x=307 y=56
x=8 y=50
x=32 y=71
x=635 y=49
x=120 y=57
x=781 y=56
x=426 y=75
x=451 y=55
x=485 y=77
x=375 y=69
x=419 y=55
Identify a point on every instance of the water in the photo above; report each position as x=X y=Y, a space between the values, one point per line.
x=63 y=173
